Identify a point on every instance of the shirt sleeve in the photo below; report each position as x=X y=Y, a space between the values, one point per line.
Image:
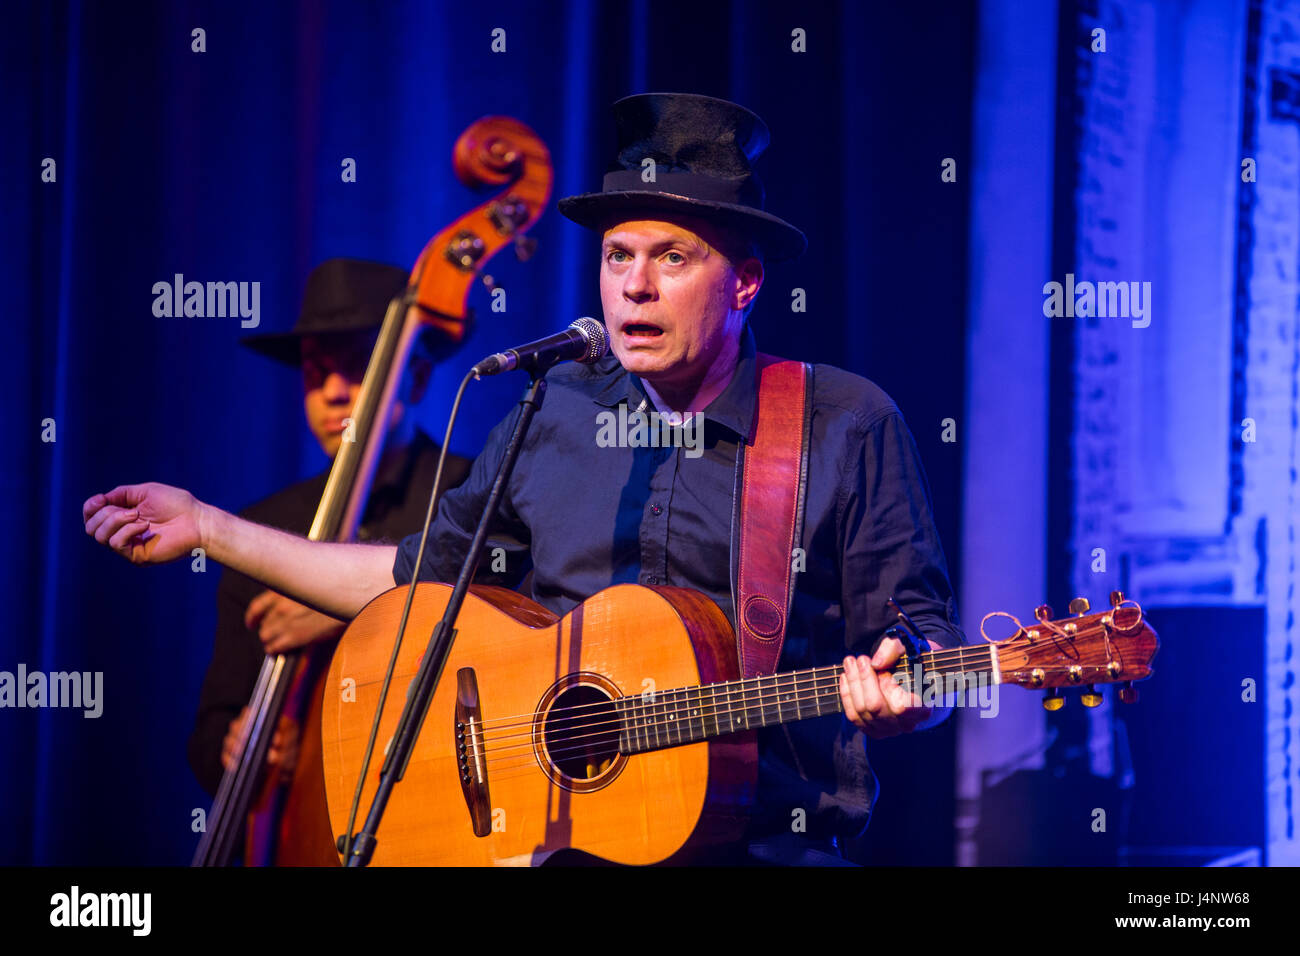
x=505 y=558
x=890 y=544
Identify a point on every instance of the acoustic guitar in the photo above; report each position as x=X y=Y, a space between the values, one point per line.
x=623 y=729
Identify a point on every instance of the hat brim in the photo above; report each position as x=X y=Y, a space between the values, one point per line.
x=286 y=347
x=777 y=238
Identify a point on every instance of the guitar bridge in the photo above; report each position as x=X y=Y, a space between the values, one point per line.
x=471 y=755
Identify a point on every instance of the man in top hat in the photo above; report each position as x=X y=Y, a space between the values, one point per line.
x=682 y=259
x=330 y=345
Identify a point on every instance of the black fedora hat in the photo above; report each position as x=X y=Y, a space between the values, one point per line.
x=342 y=295
x=703 y=150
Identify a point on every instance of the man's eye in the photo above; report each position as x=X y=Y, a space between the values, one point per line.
x=676 y=258
x=617 y=255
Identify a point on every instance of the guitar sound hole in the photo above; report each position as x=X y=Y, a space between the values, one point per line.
x=581 y=733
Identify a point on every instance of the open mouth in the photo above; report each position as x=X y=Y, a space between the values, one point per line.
x=642 y=330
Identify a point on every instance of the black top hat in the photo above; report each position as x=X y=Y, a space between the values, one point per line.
x=703 y=149
x=342 y=295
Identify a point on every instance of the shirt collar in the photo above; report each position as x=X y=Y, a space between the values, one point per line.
x=733 y=409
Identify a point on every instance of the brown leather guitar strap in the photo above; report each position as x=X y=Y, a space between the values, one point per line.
x=774 y=479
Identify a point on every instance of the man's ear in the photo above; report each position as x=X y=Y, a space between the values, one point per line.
x=749 y=275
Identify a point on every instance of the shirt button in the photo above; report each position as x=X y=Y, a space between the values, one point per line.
x=652 y=580
x=656 y=510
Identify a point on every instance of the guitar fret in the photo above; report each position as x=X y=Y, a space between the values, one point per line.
x=832 y=703
x=737 y=704
x=644 y=709
x=673 y=724
x=771 y=699
x=801 y=699
x=685 y=715
x=656 y=709
x=620 y=708
x=661 y=719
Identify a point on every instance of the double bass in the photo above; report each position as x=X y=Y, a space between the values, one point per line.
x=287 y=823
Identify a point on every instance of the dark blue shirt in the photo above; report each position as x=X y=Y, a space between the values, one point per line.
x=585 y=516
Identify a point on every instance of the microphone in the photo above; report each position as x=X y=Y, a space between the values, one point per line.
x=583 y=341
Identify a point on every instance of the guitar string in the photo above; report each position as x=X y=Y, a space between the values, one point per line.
x=828 y=690
x=903 y=665
x=570 y=746
x=752 y=689
x=491 y=749
x=937 y=659
x=824 y=694
x=671 y=698
x=493 y=745
x=606 y=710
x=610 y=719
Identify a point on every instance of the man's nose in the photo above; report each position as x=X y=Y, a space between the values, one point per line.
x=337 y=388
x=637 y=284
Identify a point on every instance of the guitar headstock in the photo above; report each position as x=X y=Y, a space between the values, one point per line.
x=1114 y=646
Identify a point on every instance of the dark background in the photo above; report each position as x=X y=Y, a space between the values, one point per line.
x=224 y=166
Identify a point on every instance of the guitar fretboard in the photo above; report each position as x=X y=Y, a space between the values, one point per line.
x=655 y=720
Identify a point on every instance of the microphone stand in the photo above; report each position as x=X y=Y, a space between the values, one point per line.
x=426 y=679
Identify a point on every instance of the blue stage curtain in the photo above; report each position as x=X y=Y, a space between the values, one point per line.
x=225 y=165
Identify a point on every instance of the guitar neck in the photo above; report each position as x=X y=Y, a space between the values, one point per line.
x=655 y=720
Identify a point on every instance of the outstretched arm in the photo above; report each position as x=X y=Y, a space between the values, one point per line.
x=153 y=523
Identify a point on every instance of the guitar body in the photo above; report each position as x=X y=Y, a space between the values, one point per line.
x=521 y=675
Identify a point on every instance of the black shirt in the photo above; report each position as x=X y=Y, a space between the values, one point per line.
x=589 y=516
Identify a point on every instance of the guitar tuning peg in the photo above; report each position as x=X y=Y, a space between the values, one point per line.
x=1053 y=700
x=1090 y=696
x=1043 y=612
x=1079 y=606
x=1116 y=598
x=1128 y=694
